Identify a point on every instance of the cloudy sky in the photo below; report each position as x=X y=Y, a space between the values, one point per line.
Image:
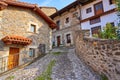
x=54 y=3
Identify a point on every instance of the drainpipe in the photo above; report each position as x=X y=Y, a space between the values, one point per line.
x=80 y=15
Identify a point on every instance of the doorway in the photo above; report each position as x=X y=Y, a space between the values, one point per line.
x=13 y=59
x=58 y=41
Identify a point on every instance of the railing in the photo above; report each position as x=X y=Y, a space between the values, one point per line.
x=3 y=64
x=13 y=61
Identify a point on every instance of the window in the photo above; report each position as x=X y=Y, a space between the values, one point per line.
x=33 y=28
x=95 y=20
x=67 y=20
x=98 y=8
x=88 y=10
x=111 y=2
x=68 y=38
x=96 y=30
x=75 y=14
x=112 y=23
x=32 y=52
x=58 y=24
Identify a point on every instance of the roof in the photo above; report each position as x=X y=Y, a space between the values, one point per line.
x=48 y=10
x=48 y=7
x=70 y=6
x=13 y=39
x=34 y=7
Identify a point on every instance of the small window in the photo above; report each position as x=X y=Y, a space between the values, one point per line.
x=112 y=23
x=68 y=38
x=95 y=20
x=88 y=10
x=75 y=14
x=32 y=52
x=111 y=2
x=58 y=24
x=67 y=20
x=33 y=28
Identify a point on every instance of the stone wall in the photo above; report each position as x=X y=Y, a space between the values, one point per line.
x=66 y=28
x=103 y=56
x=17 y=21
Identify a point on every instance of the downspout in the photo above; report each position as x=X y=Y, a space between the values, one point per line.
x=80 y=13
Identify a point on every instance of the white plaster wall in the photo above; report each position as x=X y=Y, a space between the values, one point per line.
x=106 y=7
x=109 y=18
x=104 y=19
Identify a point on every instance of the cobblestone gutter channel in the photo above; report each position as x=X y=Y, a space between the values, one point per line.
x=67 y=67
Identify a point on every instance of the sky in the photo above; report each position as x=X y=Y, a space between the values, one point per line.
x=52 y=3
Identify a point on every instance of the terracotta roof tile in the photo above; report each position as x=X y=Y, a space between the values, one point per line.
x=13 y=39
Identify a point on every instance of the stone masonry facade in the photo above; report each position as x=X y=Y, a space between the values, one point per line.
x=66 y=28
x=17 y=21
x=103 y=56
x=48 y=10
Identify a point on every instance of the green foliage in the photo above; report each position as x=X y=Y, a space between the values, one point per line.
x=118 y=8
x=95 y=35
x=104 y=77
x=10 y=78
x=118 y=4
x=56 y=53
x=46 y=75
x=109 y=32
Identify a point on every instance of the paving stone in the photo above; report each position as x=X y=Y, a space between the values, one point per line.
x=67 y=67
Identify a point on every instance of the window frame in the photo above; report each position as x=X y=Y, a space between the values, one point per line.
x=67 y=20
x=95 y=20
x=94 y=28
x=33 y=52
x=34 y=26
x=68 y=38
x=89 y=10
x=29 y=27
x=58 y=24
x=112 y=23
x=99 y=9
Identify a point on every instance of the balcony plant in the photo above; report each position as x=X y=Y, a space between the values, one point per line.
x=109 y=32
x=118 y=8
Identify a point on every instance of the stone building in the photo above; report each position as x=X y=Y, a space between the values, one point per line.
x=85 y=14
x=48 y=10
x=67 y=22
x=24 y=28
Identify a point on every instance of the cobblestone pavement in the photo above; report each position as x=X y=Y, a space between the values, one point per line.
x=30 y=72
x=67 y=67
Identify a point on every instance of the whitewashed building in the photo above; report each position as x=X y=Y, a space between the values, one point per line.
x=90 y=15
x=97 y=13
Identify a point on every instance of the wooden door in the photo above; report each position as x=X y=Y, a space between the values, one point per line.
x=13 y=59
x=58 y=40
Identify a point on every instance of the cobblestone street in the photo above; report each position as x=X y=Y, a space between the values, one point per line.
x=67 y=67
